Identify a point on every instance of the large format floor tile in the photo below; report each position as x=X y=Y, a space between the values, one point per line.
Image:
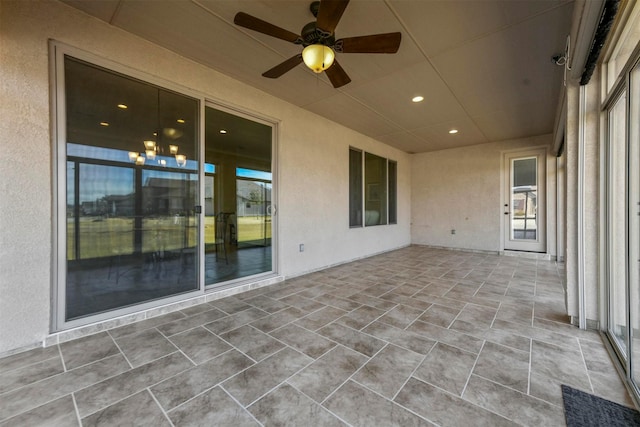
x=417 y=336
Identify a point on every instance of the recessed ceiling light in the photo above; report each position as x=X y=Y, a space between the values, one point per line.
x=180 y=120
x=452 y=131
x=122 y=106
x=104 y=124
x=223 y=131
x=417 y=98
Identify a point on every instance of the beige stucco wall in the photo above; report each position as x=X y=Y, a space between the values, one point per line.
x=312 y=161
x=462 y=189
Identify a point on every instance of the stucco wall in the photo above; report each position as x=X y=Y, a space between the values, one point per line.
x=312 y=161
x=461 y=189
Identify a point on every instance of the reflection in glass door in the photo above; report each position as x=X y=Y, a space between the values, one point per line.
x=131 y=193
x=253 y=208
x=238 y=197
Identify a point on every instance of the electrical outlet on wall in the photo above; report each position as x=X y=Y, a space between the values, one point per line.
x=301 y=247
x=453 y=231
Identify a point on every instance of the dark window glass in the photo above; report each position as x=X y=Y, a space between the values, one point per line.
x=355 y=188
x=132 y=177
x=375 y=180
x=393 y=184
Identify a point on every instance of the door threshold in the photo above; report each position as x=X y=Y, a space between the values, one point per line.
x=529 y=255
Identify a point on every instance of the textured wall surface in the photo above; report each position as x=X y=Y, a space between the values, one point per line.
x=312 y=164
x=25 y=166
x=461 y=189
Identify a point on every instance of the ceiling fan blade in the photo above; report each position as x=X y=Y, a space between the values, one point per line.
x=337 y=75
x=283 y=67
x=377 y=43
x=256 y=24
x=329 y=14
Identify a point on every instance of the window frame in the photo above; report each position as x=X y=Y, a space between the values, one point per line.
x=389 y=192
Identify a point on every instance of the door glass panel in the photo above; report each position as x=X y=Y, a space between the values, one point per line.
x=238 y=197
x=634 y=223
x=524 y=199
x=617 y=212
x=131 y=191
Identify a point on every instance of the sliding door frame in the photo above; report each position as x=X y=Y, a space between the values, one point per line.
x=625 y=85
x=58 y=321
x=273 y=124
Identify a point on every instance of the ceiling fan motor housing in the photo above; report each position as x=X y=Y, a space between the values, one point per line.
x=314 y=7
x=310 y=34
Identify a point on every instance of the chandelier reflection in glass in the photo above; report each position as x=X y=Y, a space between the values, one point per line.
x=153 y=150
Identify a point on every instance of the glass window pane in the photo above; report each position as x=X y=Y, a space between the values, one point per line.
x=376 y=190
x=393 y=183
x=634 y=222
x=131 y=191
x=238 y=219
x=355 y=188
x=524 y=199
x=617 y=213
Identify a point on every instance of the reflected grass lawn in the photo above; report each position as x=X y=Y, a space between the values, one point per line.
x=104 y=237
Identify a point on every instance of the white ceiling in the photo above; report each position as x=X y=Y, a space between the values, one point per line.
x=484 y=67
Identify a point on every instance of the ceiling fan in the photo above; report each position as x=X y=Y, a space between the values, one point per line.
x=319 y=41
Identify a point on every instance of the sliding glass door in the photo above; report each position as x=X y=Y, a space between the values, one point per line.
x=131 y=192
x=238 y=197
x=623 y=224
x=152 y=204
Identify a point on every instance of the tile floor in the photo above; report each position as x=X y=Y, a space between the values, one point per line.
x=417 y=336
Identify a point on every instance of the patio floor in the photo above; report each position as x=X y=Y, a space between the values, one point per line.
x=417 y=336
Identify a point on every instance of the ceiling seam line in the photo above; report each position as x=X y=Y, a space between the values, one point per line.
x=248 y=34
x=435 y=69
x=116 y=12
x=506 y=27
x=232 y=25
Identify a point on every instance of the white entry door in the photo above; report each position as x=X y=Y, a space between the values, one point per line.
x=524 y=201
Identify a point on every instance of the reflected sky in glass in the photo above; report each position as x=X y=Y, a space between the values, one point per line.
x=250 y=173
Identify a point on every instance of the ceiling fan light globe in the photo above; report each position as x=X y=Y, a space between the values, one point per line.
x=318 y=57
